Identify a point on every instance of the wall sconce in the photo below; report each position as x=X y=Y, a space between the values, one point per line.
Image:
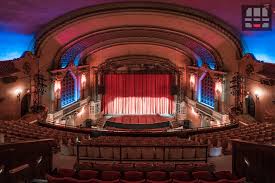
x=18 y=93
x=57 y=89
x=257 y=94
x=218 y=87
x=83 y=80
x=192 y=80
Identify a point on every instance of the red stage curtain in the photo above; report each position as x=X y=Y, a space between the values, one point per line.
x=138 y=94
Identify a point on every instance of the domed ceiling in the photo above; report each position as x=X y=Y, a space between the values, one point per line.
x=21 y=21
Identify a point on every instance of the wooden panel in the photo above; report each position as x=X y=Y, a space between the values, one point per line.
x=254 y=161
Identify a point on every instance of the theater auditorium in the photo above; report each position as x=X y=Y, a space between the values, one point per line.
x=129 y=91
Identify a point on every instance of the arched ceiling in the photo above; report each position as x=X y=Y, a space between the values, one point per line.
x=99 y=56
x=142 y=34
x=21 y=21
x=198 y=35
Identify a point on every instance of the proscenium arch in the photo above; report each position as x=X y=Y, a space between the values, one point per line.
x=46 y=40
x=207 y=54
x=98 y=56
x=116 y=42
x=163 y=63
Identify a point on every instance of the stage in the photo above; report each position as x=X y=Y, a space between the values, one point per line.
x=138 y=122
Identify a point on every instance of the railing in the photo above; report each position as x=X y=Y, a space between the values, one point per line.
x=160 y=152
x=180 y=133
x=254 y=161
x=26 y=160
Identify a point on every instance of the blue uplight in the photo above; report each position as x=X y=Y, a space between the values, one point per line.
x=260 y=44
x=13 y=45
x=76 y=60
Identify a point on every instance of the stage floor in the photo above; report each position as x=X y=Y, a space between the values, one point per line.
x=140 y=119
x=138 y=122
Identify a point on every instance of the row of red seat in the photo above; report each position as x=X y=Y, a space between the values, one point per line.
x=256 y=132
x=87 y=176
x=146 y=166
x=20 y=130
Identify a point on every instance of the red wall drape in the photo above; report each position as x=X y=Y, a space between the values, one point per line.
x=138 y=94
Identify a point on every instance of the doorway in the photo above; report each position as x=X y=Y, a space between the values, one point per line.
x=25 y=104
x=250 y=106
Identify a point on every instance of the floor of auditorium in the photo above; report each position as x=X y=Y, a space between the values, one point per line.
x=221 y=163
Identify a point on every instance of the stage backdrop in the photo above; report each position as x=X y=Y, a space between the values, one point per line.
x=138 y=94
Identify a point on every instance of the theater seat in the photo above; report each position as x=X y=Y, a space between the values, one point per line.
x=123 y=167
x=180 y=175
x=63 y=172
x=103 y=166
x=184 y=167
x=157 y=176
x=144 y=167
x=108 y=181
x=87 y=174
x=242 y=180
x=133 y=176
x=72 y=180
x=186 y=181
x=52 y=179
x=110 y=175
x=167 y=167
x=203 y=175
x=225 y=175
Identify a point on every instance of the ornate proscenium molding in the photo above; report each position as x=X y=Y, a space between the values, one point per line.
x=58 y=74
x=138 y=64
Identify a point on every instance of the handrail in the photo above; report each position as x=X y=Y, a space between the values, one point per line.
x=181 y=132
x=121 y=146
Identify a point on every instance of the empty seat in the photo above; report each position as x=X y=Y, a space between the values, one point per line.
x=103 y=166
x=144 y=167
x=110 y=176
x=186 y=181
x=184 y=167
x=180 y=175
x=203 y=175
x=157 y=176
x=87 y=174
x=123 y=167
x=52 y=179
x=62 y=172
x=241 y=180
x=225 y=175
x=133 y=176
x=167 y=167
